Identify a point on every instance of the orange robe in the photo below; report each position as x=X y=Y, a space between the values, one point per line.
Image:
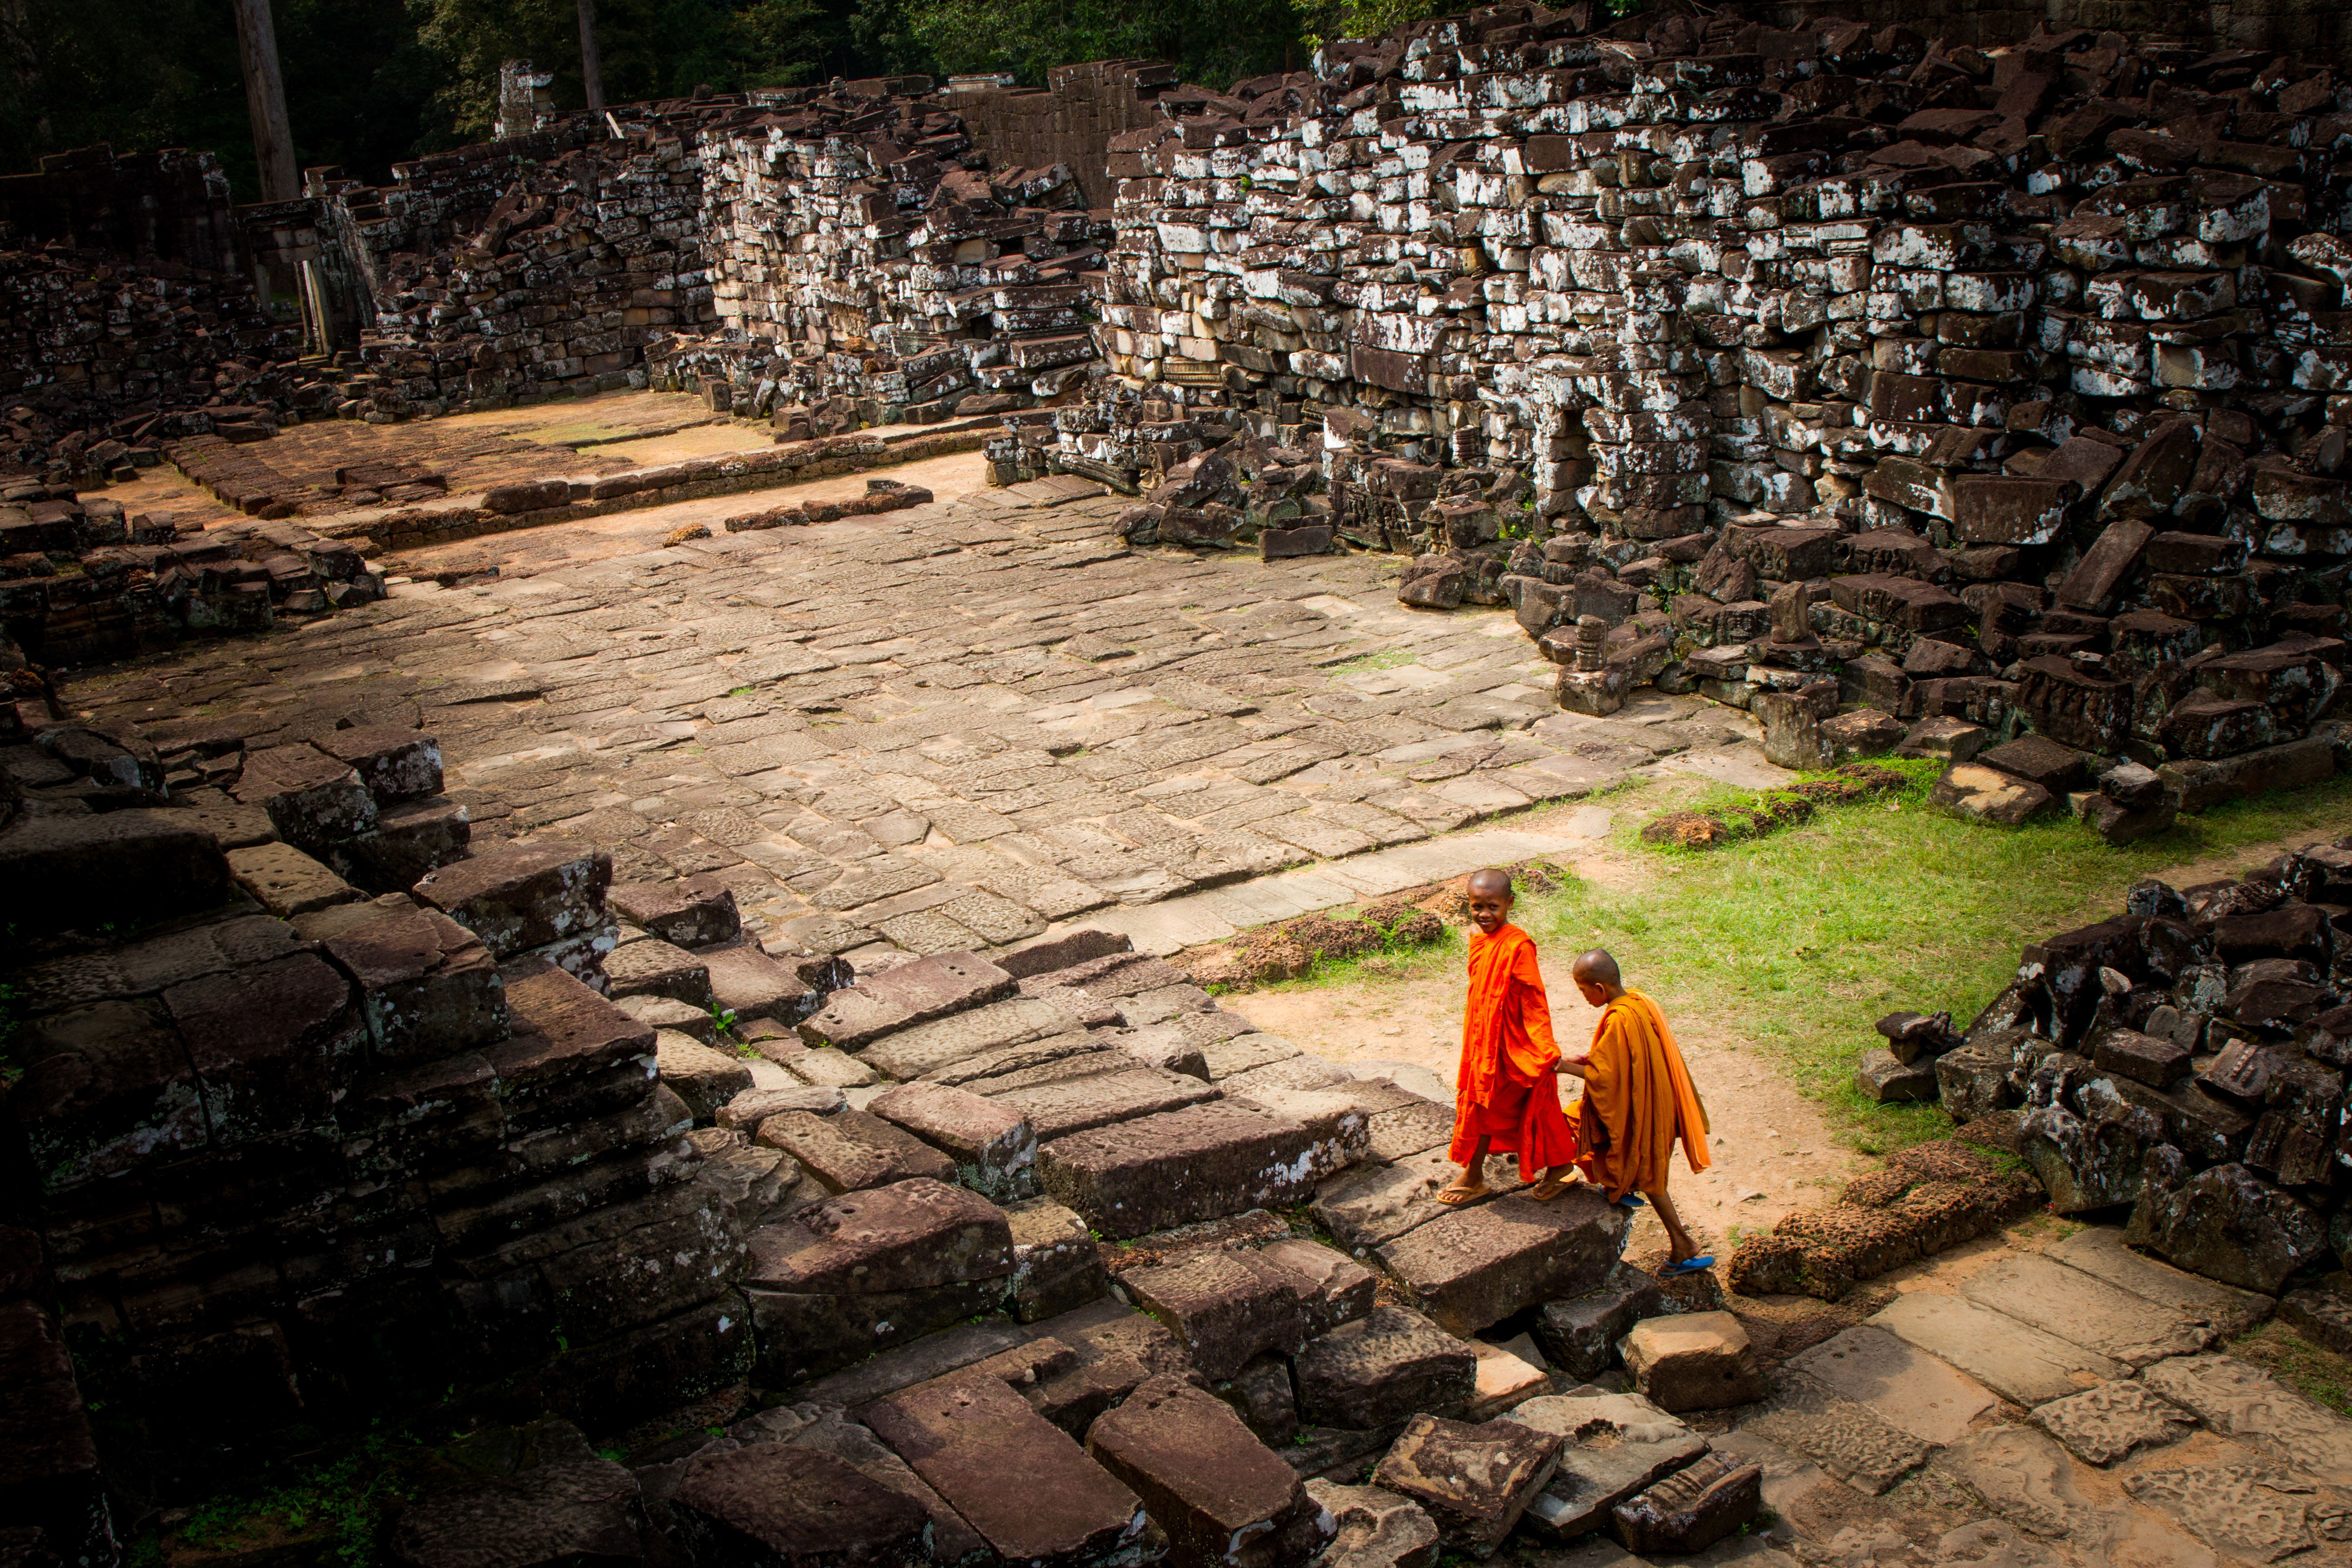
x=1505 y=1091
x=1638 y=1101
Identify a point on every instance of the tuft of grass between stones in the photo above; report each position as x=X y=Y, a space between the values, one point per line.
x=1801 y=941
x=2311 y=1370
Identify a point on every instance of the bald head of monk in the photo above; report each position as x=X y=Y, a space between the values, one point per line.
x=1596 y=975
x=1490 y=899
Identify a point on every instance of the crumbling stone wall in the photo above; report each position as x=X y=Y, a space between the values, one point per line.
x=2010 y=372
x=173 y=205
x=1071 y=120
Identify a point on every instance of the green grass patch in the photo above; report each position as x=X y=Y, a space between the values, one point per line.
x=2311 y=1370
x=1387 y=658
x=1801 y=941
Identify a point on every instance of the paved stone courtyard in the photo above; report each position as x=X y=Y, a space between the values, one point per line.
x=952 y=727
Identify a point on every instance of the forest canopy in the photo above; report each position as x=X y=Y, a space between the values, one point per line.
x=369 y=82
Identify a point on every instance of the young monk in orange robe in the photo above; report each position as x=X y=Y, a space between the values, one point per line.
x=1506 y=1096
x=1638 y=1102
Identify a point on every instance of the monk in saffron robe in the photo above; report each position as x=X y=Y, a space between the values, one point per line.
x=1638 y=1102
x=1507 y=1094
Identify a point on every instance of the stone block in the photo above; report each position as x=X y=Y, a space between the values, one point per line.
x=394 y=765
x=103 y=867
x=1986 y=795
x=1613 y=1447
x=1478 y=1265
x=1225 y=1307
x=547 y=1498
x=426 y=988
x=410 y=839
x=746 y=982
x=522 y=898
x=1697 y=1361
x=652 y=967
x=314 y=801
x=1178 y=1167
x=1333 y=1288
x=1377 y=1529
x=1206 y=1482
x=694 y=911
x=1887 y=1079
x=1057 y=1265
x=1379 y=1370
x=2100 y=1425
x=850 y=1150
x=1580 y=1334
x=1029 y=1491
x=783 y=1503
x=1691 y=1509
x=1125 y=1089
x=287 y=882
x=909 y=993
x=992 y=1145
x=1473 y=1480
x=704 y=1078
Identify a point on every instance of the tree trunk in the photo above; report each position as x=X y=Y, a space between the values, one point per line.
x=592 y=69
x=265 y=100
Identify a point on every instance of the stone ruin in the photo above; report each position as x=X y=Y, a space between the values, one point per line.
x=2184 y=1060
x=359 y=1122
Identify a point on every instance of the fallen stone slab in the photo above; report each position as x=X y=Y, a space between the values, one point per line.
x=931 y=1050
x=752 y=1106
x=652 y=967
x=287 y=882
x=1334 y=1288
x=1989 y=795
x=1478 y=1264
x=1206 y=1482
x=1899 y=1384
x=1580 y=1334
x=829 y=1429
x=2088 y=1311
x=525 y=897
x=992 y=1145
x=2100 y=1425
x=746 y=982
x=1692 y=1508
x=2241 y=1510
x=1373 y=1205
x=2240 y=1400
x=1506 y=1380
x=1843 y=1437
x=1615 y=1446
x=563 y=1502
x=1076 y=1104
x=919 y=1360
x=703 y=1078
x=1177 y=1168
x=1383 y=1369
x=1404 y=1131
x=2019 y=1362
x=1029 y=1491
x=2023 y=1477
x=776 y=1502
x=851 y=1150
x=1225 y=1307
x=2101 y=1252
x=1377 y=1529
x=1474 y=1481
x=1696 y=1361
x=912 y=993
x=694 y=911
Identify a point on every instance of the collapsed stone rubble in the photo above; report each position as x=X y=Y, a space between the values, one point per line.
x=1993 y=391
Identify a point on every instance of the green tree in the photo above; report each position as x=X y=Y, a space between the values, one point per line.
x=1214 y=42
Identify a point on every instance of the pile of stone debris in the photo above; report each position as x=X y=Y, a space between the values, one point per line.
x=2184 y=1059
x=1998 y=386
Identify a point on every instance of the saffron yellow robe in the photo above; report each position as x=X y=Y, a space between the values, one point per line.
x=1638 y=1101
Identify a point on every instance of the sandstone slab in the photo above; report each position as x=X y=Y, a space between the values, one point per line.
x=1474 y=1481
x=2019 y=1362
x=1221 y=1497
x=1692 y=1508
x=2240 y=1400
x=1900 y=1384
x=2102 y=1424
x=1695 y=1361
x=2088 y=1311
x=1383 y=1369
x=1377 y=1529
x=1478 y=1264
x=1177 y=1168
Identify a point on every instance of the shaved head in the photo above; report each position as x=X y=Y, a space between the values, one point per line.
x=1492 y=882
x=1597 y=966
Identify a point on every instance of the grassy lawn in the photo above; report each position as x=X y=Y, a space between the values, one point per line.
x=1801 y=941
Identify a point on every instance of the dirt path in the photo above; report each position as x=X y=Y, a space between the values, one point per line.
x=1773 y=1148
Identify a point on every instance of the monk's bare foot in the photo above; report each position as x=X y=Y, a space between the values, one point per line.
x=1462 y=1191
x=1553 y=1183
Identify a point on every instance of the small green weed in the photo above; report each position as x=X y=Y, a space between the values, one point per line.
x=2318 y=1373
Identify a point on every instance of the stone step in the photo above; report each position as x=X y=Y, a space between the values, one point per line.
x=2016 y=1360
x=2100 y=1251
x=1021 y=1482
x=1072 y=1105
x=2046 y=1294
x=1178 y=1167
x=1901 y=1384
x=1478 y=1265
x=908 y=994
x=931 y=1049
x=1615 y=1446
x=1205 y=1479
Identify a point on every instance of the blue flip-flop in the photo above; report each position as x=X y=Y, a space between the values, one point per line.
x=1688 y=1266
x=1631 y=1201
